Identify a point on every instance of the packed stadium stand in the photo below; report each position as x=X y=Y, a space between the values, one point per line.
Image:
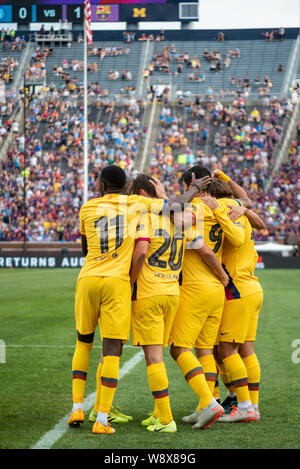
x=224 y=104
x=224 y=65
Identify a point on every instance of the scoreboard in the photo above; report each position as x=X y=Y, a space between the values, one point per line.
x=45 y=11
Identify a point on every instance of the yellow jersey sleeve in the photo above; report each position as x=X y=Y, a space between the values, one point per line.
x=233 y=231
x=81 y=220
x=143 y=229
x=147 y=204
x=195 y=232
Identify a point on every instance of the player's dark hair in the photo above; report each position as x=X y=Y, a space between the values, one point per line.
x=199 y=171
x=220 y=189
x=142 y=181
x=113 y=177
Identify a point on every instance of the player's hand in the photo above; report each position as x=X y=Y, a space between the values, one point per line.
x=215 y=173
x=210 y=201
x=236 y=212
x=159 y=188
x=225 y=280
x=202 y=183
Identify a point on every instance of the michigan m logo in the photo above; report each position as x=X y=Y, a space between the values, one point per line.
x=139 y=12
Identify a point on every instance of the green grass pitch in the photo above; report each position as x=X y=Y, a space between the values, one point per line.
x=37 y=328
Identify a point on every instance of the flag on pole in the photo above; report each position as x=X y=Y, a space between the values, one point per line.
x=87 y=21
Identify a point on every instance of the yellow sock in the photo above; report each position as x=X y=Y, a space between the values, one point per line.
x=237 y=374
x=194 y=376
x=158 y=384
x=253 y=370
x=208 y=364
x=225 y=379
x=216 y=392
x=156 y=411
x=80 y=366
x=109 y=381
x=98 y=393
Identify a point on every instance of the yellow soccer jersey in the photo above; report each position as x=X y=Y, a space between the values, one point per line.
x=194 y=269
x=240 y=263
x=109 y=224
x=216 y=227
x=160 y=272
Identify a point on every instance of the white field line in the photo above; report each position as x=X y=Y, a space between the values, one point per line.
x=48 y=440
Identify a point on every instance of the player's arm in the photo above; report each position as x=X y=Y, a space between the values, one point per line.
x=255 y=221
x=142 y=241
x=138 y=258
x=177 y=203
x=234 y=231
x=209 y=257
x=84 y=245
x=237 y=191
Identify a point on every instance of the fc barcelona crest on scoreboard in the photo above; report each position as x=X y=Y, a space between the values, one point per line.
x=105 y=13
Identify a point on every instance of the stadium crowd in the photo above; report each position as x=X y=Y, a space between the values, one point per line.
x=237 y=138
x=53 y=166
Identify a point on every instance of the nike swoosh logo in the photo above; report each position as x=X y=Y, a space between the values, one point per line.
x=223 y=333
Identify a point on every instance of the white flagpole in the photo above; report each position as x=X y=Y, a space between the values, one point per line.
x=85 y=106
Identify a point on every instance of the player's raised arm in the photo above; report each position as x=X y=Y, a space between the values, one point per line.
x=236 y=212
x=237 y=191
x=177 y=203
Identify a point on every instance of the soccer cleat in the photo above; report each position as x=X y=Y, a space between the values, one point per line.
x=228 y=403
x=208 y=415
x=98 y=429
x=151 y=420
x=93 y=416
x=76 y=418
x=115 y=416
x=192 y=418
x=171 y=427
x=257 y=415
x=239 y=415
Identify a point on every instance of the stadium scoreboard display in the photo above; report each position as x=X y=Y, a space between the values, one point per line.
x=45 y=11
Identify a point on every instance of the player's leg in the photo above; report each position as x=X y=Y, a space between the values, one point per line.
x=188 y=323
x=204 y=346
x=232 y=333
x=86 y=317
x=94 y=411
x=114 y=323
x=246 y=350
x=115 y=415
x=158 y=383
x=230 y=399
x=216 y=392
x=152 y=319
x=208 y=409
x=207 y=361
x=252 y=365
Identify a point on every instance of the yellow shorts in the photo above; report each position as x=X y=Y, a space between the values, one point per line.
x=152 y=319
x=198 y=318
x=240 y=318
x=106 y=300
